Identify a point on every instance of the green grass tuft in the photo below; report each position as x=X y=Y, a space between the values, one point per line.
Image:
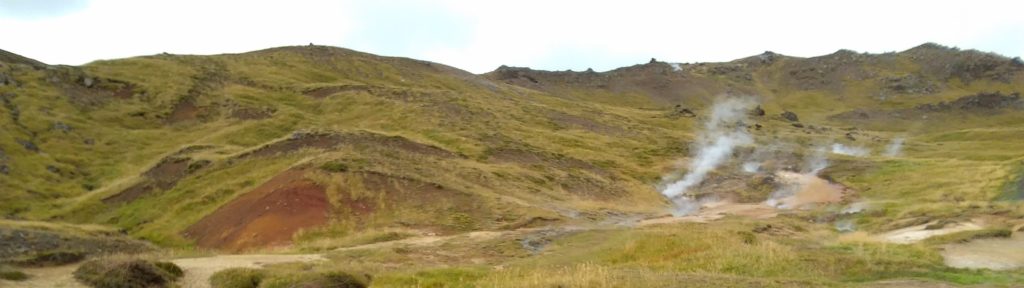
x=237 y=278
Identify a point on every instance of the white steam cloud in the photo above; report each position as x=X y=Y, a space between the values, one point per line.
x=816 y=162
x=751 y=167
x=850 y=150
x=715 y=145
x=894 y=148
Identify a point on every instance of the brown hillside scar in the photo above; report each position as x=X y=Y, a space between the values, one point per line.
x=266 y=216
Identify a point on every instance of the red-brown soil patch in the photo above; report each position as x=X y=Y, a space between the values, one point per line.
x=183 y=111
x=266 y=216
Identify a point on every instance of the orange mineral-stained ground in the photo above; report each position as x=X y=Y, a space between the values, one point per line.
x=264 y=217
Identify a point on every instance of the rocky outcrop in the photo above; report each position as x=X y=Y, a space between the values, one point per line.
x=978 y=103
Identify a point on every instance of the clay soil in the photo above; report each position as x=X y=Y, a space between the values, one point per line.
x=266 y=216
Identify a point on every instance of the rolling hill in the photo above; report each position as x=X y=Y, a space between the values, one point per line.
x=302 y=146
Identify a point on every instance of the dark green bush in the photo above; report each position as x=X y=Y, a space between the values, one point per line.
x=50 y=258
x=113 y=273
x=237 y=278
x=170 y=268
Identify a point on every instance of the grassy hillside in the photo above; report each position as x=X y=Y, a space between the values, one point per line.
x=174 y=149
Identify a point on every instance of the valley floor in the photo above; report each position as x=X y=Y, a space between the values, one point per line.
x=724 y=245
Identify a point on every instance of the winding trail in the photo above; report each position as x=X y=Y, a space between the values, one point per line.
x=199 y=270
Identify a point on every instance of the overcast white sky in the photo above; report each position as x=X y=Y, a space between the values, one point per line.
x=481 y=35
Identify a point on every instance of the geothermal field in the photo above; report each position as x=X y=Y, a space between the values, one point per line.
x=196 y=145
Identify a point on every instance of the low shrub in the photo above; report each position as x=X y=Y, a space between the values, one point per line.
x=50 y=258
x=12 y=275
x=237 y=278
x=127 y=273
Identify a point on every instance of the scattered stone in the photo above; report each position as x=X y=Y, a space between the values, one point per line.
x=88 y=82
x=679 y=111
x=762 y=228
x=757 y=111
x=53 y=169
x=849 y=136
x=62 y=127
x=6 y=80
x=767 y=57
x=28 y=145
x=790 y=116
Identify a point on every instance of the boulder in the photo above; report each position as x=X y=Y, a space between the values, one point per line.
x=790 y=116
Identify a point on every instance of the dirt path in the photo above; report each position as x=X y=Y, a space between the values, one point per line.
x=199 y=270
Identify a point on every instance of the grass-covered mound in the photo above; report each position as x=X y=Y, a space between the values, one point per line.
x=237 y=278
x=127 y=273
x=12 y=275
x=252 y=278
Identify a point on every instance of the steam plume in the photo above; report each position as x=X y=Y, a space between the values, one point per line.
x=715 y=144
x=751 y=167
x=816 y=162
x=894 y=148
x=850 y=150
